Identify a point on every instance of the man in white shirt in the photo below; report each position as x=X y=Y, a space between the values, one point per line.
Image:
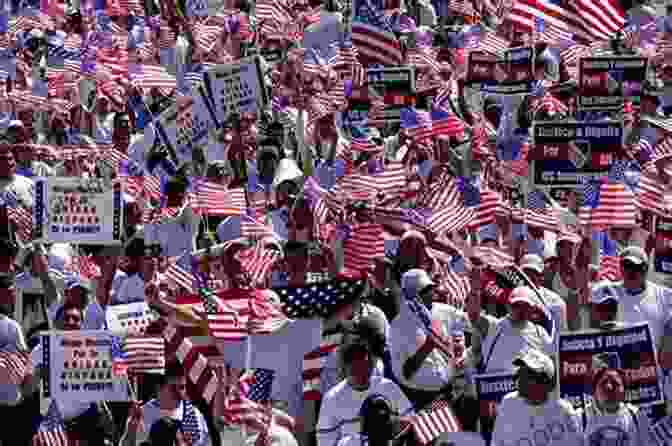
x=172 y=401
x=639 y=299
x=21 y=187
x=339 y=413
x=532 y=415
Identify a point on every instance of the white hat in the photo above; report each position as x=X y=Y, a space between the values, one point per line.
x=522 y=294
x=287 y=170
x=537 y=361
x=533 y=262
x=602 y=292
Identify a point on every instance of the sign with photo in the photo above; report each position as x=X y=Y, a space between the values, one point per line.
x=636 y=354
x=78 y=210
x=604 y=82
x=79 y=365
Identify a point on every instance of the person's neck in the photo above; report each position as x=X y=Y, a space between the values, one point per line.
x=608 y=406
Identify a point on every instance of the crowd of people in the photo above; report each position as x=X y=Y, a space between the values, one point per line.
x=385 y=259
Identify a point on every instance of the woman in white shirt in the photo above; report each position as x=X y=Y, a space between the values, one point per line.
x=607 y=419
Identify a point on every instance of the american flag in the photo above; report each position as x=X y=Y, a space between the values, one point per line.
x=223 y=321
x=416 y=124
x=145 y=354
x=265 y=317
x=313 y=363
x=190 y=424
x=217 y=199
x=485 y=212
x=195 y=363
x=470 y=190
x=435 y=420
x=51 y=431
x=391 y=182
x=319 y=299
x=589 y=20
x=365 y=243
x=258 y=262
x=446 y=123
x=179 y=276
x=650 y=194
x=248 y=404
x=608 y=204
x=17 y=365
x=119 y=358
x=375 y=44
x=610 y=264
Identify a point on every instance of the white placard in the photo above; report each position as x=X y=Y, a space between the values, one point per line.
x=131 y=318
x=78 y=210
x=80 y=367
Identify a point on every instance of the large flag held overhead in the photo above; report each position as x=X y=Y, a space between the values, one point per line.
x=320 y=299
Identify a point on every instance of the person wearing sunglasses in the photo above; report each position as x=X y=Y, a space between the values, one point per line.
x=532 y=415
x=641 y=300
x=173 y=400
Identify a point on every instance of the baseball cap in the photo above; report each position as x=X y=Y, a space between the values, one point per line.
x=522 y=294
x=603 y=292
x=415 y=280
x=533 y=262
x=635 y=254
x=536 y=361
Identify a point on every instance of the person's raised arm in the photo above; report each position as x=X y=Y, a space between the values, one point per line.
x=40 y=268
x=109 y=268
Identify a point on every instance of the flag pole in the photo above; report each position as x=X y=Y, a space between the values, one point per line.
x=248 y=363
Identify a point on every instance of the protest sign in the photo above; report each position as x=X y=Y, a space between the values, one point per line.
x=568 y=152
x=480 y=69
x=637 y=358
x=396 y=86
x=182 y=127
x=79 y=365
x=663 y=236
x=460 y=439
x=78 y=210
x=236 y=88
x=129 y=318
x=604 y=82
x=510 y=74
x=491 y=389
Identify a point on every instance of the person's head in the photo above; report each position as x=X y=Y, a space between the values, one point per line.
x=176 y=191
x=604 y=305
x=533 y=266
x=358 y=363
x=7 y=294
x=167 y=431
x=522 y=304
x=378 y=417
x=565 y=248
x=173 y=383
x=608 y=380
x=69 y=317
x=77 y=293
x=412 y=247
x=368 y=329
x=417 y=283
x=122 y=130
x=535 y=375
x=635 y=265
x=7 y=162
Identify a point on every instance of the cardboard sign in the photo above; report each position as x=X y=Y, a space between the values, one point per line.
x=80 y=367
x=129 y=318
x=78 y=210
x=236 y=88
x=566 y=152
x=635 y=350
x=605 y=81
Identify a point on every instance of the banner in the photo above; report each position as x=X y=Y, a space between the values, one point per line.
x=566 y=153
x=129 y=318
x=184 y=126
x=78 y=210
x=236 y=88
x=605 y=81
x=79 y=367
x=512 y=73
x=636 y=353
x=491 y=388
x=480 y=69
x=394 y=85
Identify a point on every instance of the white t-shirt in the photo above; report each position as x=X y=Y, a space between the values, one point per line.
x=22 y=187
x=406 y=337
x=654 y=306
x=125 y=289
x=339 y=412
x=503 y=342
x=553 y=423
x=625 y=427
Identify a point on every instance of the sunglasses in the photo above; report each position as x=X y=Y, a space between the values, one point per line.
x=633 y=267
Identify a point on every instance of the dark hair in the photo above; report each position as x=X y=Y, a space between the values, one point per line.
x=136 y=248
x=164 y=431
x=173 y=369
x=60 y=314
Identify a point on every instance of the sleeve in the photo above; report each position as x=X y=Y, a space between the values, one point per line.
x=327 y=424
x=404 y=406
x=36 y=356
x=21 y=345
x=94 y=317
x=203 y=429
x=574 y=421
